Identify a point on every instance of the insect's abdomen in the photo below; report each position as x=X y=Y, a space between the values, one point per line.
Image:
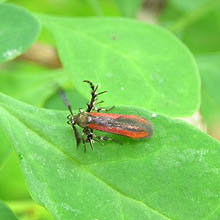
x=127 y=125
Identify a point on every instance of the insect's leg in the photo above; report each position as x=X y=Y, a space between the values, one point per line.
x=105 y=138
x=103 y=109
x=94 y=95
x=84 y=139
x=94 y=89
x=98 y=140
x=89 y=139
x=84 y=144
x=66 y=100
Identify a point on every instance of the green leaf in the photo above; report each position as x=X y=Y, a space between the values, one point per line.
x=19 y=30
x=129 y=8
x=174 y=175
x=6 y=213
x=210 y=73
x=5 y=148
x=12 y=182
x=138 y=64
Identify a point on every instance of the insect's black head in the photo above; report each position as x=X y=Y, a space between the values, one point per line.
x=71 y=120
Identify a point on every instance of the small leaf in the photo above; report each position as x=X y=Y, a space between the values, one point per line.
x=6 y=213
x=19 y=29
x=173 y=175
x=139 y=64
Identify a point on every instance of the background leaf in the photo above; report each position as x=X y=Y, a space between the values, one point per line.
x=210 y=73
x=120 y=54
x=174 y=175
x=19 y=29
x=196 y=23
x=129 y=8
x=203 y=35
x=6 y=213
x=82 y=8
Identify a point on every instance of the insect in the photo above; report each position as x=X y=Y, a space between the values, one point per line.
x=92 y=119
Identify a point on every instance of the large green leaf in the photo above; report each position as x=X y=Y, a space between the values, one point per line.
x=6 y=213
x=138 y=64
x=174 y=175
x=19 y=29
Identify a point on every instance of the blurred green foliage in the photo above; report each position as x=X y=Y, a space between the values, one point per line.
x=197 y=24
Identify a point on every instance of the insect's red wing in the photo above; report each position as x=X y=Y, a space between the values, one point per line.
x=127 y=125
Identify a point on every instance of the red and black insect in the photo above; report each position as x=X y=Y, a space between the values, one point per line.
x=92 y=119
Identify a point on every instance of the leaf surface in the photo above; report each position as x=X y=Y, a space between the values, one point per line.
x=139 y=64
x=174 y=175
